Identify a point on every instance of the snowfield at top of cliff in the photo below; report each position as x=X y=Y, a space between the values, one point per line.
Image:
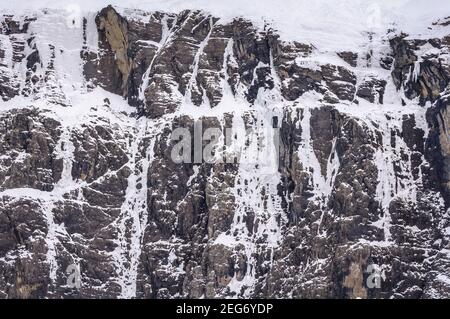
x=329 y=24
x=329 y=175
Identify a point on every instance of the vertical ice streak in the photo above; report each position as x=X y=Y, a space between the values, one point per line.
x=198 y=54
x=391 y=184
x=165 y=37
x=65 y=150
x=132 y=220
x=50 y=239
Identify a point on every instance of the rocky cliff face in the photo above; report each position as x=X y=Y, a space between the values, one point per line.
x=340 y=161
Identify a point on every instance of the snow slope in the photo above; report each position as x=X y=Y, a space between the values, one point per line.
x=328 y=24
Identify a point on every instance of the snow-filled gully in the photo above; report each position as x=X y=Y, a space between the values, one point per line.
x=133 y=211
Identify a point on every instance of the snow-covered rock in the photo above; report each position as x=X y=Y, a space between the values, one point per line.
x=338 y=138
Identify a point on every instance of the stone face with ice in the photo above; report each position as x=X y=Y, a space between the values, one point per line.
x=336 y=118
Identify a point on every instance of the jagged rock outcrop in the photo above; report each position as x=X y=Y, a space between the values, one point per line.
x=326 y=164
x=425 y=76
